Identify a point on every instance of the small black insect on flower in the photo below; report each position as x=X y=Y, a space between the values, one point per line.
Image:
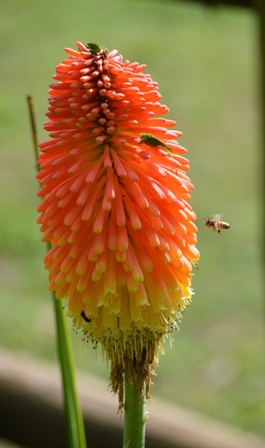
x=83 y=314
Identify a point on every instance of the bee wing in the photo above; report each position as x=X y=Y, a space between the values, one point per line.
x=218 y=217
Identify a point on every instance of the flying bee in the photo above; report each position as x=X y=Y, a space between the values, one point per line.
x=216 y=224
x=83 y=314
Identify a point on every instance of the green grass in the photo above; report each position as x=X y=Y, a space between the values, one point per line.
x=206 y=64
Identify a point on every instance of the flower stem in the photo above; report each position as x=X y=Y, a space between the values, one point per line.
x=134 y=417
x=74 y=420
x=75 y=426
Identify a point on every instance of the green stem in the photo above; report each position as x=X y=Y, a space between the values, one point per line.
x=74 y=420
x=75 y=426
x=134 y=418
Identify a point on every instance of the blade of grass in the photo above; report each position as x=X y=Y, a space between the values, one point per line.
x=73 y=413
x=74 y=420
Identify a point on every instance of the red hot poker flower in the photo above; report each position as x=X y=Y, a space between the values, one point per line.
x=115 y=210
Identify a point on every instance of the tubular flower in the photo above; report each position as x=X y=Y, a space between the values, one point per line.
x=115 y=210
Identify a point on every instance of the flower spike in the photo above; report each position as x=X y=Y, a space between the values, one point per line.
x=118 y=219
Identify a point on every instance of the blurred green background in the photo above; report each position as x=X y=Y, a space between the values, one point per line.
x=206 y=62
